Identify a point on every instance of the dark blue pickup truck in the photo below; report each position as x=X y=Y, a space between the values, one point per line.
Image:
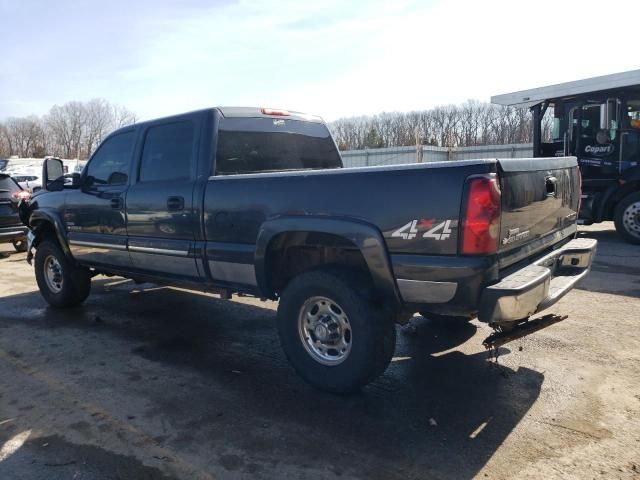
x=255 y=201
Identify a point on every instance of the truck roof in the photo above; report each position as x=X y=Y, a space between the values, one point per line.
x=568 y=89
x=230 y=112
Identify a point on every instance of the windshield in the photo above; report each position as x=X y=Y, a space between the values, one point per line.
x=633 y=113
x=250 y=145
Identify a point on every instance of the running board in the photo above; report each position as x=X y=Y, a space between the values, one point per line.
x=497 y=339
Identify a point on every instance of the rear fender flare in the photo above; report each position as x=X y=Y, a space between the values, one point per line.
x=365 y=236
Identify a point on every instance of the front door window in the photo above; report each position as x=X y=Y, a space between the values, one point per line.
x=595 y=129
x=630 y=147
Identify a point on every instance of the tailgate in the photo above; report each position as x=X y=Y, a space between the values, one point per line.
x=540 y=198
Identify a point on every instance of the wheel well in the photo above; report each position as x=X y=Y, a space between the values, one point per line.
x=45 y=230
x=612 y=203
x=292 y=253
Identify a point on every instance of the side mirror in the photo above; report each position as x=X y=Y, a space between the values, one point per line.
x=52 y=175
x=609 y=114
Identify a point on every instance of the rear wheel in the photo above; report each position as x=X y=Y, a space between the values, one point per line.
x=61 y=283
x=331 y=332
x=19 y=245
x=627 y=218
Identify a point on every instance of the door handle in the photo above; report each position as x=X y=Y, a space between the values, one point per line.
x=116 y=203
x=551 y=183
x=175 y=204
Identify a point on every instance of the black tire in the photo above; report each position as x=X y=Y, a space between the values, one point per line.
x=75 y=281
x=19 y=245
x=627 y=218
x=374 y=334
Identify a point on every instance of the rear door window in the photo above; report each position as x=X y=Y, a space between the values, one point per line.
x=168 y=152
x=251 y=145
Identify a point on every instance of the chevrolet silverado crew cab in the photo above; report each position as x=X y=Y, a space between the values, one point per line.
x=256 y=202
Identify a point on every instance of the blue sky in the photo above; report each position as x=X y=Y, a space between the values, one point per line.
x=332 y=58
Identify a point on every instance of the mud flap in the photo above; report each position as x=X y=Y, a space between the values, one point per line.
x=30 y=238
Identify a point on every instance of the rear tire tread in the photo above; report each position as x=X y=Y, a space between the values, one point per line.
x=371 y=325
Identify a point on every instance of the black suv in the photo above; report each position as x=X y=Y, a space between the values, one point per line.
x=11 y=228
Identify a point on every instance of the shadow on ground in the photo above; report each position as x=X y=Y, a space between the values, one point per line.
x=59 y=459
x=616 y=268
x=436 y=413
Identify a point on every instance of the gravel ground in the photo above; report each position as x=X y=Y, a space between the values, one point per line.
x=144 y=382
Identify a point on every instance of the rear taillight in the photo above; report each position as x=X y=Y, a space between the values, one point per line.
x=481 y=225
x=21 y=195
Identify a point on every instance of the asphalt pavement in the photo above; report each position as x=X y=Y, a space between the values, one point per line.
x=144 y=382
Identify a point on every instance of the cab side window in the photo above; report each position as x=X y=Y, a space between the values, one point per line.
x=168 y=152
x=633 y=113
x=110 y=164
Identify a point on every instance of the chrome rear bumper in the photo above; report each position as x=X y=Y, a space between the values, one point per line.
x=537 y=286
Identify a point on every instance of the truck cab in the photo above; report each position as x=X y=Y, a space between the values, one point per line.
x=596 y=120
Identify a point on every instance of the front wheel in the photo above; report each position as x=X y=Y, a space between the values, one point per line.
x=627 y=218
x=61 y=283
x=332 y=334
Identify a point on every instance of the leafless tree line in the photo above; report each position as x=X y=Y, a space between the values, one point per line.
x=72 y=130
x=472 y=123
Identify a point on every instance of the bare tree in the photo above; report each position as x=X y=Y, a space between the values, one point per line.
x=75 y=129
x=472 y=123
x=99 y=120
x=21 y=135
x=122 y=116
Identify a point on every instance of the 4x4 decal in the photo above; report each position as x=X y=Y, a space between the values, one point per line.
x=441 y=231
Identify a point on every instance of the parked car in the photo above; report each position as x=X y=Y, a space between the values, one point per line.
x=31 y=183
x=11 y=228
x=254 y=201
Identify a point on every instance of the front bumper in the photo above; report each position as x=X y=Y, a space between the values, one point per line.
x=14 y=232
x=537 y=286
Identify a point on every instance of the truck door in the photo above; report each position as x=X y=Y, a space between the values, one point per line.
x=94 y=214
x=161 y=214
x=595 y=137
x=630 y=135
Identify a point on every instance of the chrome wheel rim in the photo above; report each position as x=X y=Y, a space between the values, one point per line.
x=325 y=331
x=631 y=219
x=53 y=274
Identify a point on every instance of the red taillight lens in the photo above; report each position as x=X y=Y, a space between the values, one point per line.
x=21 y=195
x=482 y=217
x=273 y=111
